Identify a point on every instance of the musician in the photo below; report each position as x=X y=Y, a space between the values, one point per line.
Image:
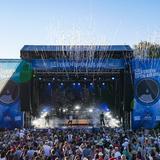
x=102 y=119
x=70 y=120
x=47 y=119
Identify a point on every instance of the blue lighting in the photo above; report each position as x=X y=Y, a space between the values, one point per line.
x=53 y=78
x=91 y=87
x=107 y=110
x=103 y=84
x=104 y=107
x=74 y=84
x=85 y=79
x=46 y=109
x=113 y=78
x=49 y=84
x=79 y=84
x=62 y=84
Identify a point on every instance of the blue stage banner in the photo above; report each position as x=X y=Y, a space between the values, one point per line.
x=10 y=115
x=69 y=65
x=146 y=106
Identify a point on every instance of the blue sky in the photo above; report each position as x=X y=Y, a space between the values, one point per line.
x=76 y=22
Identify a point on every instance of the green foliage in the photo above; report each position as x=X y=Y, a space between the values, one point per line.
x=146 y=49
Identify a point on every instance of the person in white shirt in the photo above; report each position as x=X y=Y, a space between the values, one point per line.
x=47 y=150
x=70 y=137
x=117 y=153
x=30 y=152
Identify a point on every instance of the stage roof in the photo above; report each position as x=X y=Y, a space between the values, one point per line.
x=48 y=51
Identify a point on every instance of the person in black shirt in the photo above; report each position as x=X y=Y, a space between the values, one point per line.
x=102 y=119
x=47 y=119
x=70 y=120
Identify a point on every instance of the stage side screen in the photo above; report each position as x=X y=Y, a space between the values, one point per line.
x=10 y=114
x=146 y=103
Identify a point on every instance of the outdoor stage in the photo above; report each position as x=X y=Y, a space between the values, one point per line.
x=77 y=81
x=65 y=81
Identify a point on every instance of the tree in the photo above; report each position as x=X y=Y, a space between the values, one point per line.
x=146 y=49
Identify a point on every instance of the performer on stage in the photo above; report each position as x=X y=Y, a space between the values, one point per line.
x=70 y=120
x=47 y=119
x=102 y=119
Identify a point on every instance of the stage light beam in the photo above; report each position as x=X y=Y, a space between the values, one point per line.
x=90 y=110
x=77 y=107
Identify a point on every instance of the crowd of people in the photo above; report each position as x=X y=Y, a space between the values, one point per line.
x=79 y=144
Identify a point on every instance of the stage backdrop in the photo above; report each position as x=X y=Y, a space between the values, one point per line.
x=146 y=103
x=10 y=114
x=78 y=65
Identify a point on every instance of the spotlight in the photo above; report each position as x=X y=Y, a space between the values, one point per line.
x=62 y=84
x=108 y=115
x=91 y=84
x=79 y=84
x=53 y=78
x=113 y=78
x=49 y=84
x=74 y=84
x=103 y=84
x=77 y=107
x=40 y=78
x=43 y=114
x=90 y=110
x=85 y=78
x=107 y=109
